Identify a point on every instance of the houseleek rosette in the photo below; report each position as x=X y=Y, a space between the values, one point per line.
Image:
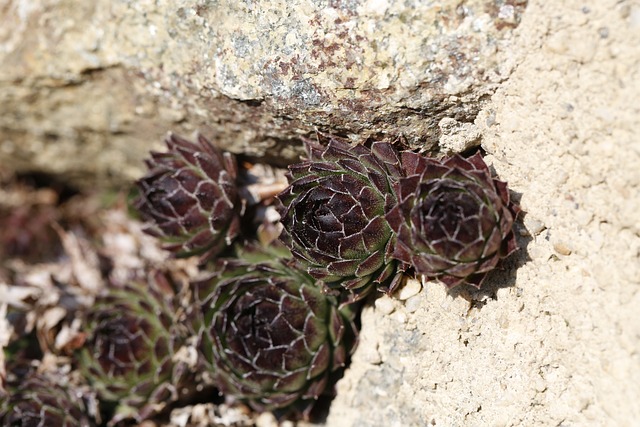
x=38 y=401
x=272 y=338
x=132 y=337
x=190 y=199
x=333 y=214
x=454 y=221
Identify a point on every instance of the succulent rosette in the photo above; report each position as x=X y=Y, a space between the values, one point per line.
x=133 y=335
x=190 y=198
x=38 y=401
x=272 y=338
x=333 y=213
x=454 y=221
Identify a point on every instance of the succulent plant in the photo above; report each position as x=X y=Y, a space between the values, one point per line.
x=190 y=199
x=454 y=221
x=38 y=401
x=272 y=338
x=333 y=214
x=132 y=338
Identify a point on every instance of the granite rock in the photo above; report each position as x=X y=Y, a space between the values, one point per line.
x=86 y=88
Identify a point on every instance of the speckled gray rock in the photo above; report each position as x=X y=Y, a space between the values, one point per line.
x=86 y=88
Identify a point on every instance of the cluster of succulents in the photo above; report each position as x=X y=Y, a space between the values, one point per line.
x=274 y=324
x=360 y=218
x=274 y=327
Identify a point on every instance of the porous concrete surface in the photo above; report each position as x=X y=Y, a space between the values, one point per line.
x=86 y=88
x=554 y=339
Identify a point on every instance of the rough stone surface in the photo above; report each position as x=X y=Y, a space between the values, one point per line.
x=86 y=88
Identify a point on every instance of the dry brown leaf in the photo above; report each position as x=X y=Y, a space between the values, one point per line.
x=85 y=263
x=16 y=296
x=70 y=337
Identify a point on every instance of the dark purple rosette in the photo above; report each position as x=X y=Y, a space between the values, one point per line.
x=272 y=338
x=333 y=213
x=133 y=335
x=39 y=401
x=190 y=199
x=454 y=221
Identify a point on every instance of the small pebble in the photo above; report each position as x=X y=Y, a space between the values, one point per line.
x=603 y=32
x=400 y=317
x=266 y=419
x=411 y=288
x=540 y=385
x=562 y=249
x=412 y=304
x=534 y=226
x=372 y=356
x=385 y=305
